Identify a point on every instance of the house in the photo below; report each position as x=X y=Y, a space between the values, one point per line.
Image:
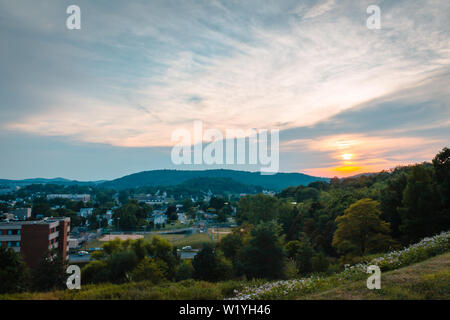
x=108 y=216
x=9 y=216
x=182 y=218
x=158 y=217
x=73 y=243
x=85 y=212
x=22 y=213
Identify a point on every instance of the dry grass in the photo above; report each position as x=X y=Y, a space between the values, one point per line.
x=429 y=279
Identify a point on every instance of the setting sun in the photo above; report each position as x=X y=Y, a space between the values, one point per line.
x=347 y=156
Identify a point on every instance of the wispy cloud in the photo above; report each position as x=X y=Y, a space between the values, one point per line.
x=318 y=9
x=137 y=71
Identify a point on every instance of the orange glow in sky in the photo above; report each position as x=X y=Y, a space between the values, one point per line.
x=356 y=154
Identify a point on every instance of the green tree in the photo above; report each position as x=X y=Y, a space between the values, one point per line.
x=185 y=270
x=304 y=256
x=187 y=204
x=263 y=255
x=121 y=264
x=222 y=214
x=96 y=271
x=362 y=228
x=258 y=208
x=210 y=265
x=50 y=273
x=441 y=164
x=130 y=214
x=40 y=206
x=162 y=249
x=391 y=200
x=320 y=263
x=124 y=196
x=171 y=213
x=307 y=194
x=148 y=269
x=14 y=274
x=420 y=211
x=192 y=213
x=292 y=248
x=231 y=244
x=217 y=203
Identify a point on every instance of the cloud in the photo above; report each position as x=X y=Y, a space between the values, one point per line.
x=319 y=9
x=139 y=70
x=406 y=127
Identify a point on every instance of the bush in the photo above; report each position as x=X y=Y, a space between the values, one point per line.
x=95 y=272
x=320 y=263
x=50 y=273
x=121 y=264
x=148 y=269
x=210 y=265
x=14 y=274
x=290 y=269
x=185 y=271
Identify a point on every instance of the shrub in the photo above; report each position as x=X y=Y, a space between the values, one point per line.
x=148 y=269
x=95 y=272
x=14 y=274
x=121 y=264
x=50 y=273
x=210 y=265
x=319 y=263
x=185 y=271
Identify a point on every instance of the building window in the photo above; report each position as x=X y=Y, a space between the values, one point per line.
x=9 y=232
x=17 y=244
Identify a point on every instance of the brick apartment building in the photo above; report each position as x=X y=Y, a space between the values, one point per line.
x=33 y=238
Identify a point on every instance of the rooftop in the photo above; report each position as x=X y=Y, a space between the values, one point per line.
x=42 y=221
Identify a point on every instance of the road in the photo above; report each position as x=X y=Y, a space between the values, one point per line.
x=75 y=258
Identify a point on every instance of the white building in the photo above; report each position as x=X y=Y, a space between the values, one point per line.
x=159 y=219
x=74 y=197
x=85 y=212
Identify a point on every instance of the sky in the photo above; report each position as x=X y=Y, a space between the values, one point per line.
x=103 y=101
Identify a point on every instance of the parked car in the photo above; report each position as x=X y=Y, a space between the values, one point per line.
x=187 y=248
x=82 y=253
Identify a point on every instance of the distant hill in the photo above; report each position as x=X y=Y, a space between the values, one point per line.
x=277 y=181
x=59 y=181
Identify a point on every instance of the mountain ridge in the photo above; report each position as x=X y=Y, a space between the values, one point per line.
x=170 y=177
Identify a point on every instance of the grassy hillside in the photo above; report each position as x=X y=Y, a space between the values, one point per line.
x=420 y=271
x=429 y=279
